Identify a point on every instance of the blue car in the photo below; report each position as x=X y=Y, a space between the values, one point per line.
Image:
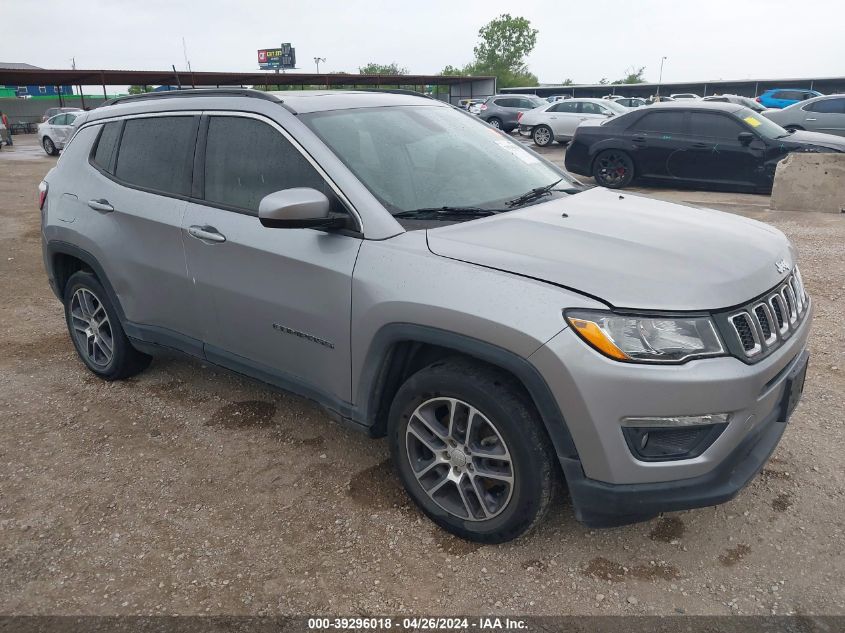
x=782 y=97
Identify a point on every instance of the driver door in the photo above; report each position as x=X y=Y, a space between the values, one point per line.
x=275 y=303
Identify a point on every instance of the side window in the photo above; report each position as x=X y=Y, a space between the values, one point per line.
x=664 y=122
x=104 y=151
x=827 y=106
x=70 y=119
x=157 y=153
x=565 y=106
x=246 y=159
x=590 y=108
x=58 y=120
x=506 y=103
x=714 y=126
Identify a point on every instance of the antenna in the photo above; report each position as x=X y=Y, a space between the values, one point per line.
x=185 y=52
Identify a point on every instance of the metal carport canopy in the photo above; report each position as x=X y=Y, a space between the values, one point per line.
x=46 y=77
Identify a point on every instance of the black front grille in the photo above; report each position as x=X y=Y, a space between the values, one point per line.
x=763 y=319
x=762 y=326
x=778 y=312
x=745 y=330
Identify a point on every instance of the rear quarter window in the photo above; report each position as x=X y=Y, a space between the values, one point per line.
x=104 y=150
x=157 y=153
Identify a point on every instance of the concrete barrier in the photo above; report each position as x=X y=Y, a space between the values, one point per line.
x=810 y=182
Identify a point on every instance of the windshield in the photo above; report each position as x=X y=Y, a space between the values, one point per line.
x=764 y=126
x=423 y=157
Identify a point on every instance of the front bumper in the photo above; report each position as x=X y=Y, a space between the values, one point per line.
x=608 y=484
x=598 y=504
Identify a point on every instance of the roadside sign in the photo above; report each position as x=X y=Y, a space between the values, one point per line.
x=283 y=56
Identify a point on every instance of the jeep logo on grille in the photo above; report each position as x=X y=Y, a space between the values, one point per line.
x=781 y=265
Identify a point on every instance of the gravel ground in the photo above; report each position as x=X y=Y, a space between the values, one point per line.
x=190 y=490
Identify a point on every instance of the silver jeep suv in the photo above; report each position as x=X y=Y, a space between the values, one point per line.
x=426 y=278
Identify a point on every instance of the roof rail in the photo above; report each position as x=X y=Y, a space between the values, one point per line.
x=194 y=92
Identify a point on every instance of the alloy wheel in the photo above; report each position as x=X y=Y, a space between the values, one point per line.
x=612 y=168
x=542 y=136
x=495 y=123
x=91 y=327
x=460 y=459
x=48 y=145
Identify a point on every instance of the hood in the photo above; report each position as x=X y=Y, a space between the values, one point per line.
x=818 y=139
x=627 y=250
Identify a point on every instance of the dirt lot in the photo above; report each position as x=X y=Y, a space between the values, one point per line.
x=189 y=490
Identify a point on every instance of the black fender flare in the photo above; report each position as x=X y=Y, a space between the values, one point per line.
x=378 y=360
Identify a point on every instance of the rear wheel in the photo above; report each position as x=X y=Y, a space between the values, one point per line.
x=49 y=146
x=613 y=169
x=542 y=135
x=471 y=452
x=96 y=331
x=496 y=123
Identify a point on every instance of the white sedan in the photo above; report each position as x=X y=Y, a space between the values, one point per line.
x=557 y=121
x=56 y=131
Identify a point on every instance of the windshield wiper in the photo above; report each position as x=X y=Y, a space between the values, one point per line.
x=446 y=211
x=537 y=192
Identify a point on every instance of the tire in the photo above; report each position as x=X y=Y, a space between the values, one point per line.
x=49 y=146
x=542 y=135
x=613 y=169
x=93 y=323
x=467 y=472
x=495 y=122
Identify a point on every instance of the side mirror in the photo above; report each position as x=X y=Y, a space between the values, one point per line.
x=298 y=208
x=745 y=138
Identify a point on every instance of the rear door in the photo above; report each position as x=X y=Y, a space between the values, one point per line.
x=133 y=202
x=656 y=138
x=275 y=303
x=826 y=115
x=564 y=118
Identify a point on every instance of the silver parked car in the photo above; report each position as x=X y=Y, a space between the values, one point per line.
x=558 y=121
x=428 y=279
x=503 y=111
x=821 y=114
x=748 y=102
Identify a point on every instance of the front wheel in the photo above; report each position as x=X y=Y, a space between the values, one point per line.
x=613 y=169
x=49 y=146
x=542 y=135
x=471 y=451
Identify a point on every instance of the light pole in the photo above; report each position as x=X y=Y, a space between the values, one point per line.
x=660 y=78
x=317 y=61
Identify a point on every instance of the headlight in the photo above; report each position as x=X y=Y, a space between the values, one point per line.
x=642 y=339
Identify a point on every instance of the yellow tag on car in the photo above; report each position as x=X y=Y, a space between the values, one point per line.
x=753 y=122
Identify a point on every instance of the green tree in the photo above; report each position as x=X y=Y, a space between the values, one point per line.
x=634 y=76
x=383 y=69
x=567 y=82
x=503 y=45
x=136 y=90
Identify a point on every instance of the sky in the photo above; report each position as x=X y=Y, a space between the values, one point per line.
x=581 y=41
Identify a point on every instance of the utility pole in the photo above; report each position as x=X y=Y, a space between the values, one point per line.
x=317 y=61
x=660 y=78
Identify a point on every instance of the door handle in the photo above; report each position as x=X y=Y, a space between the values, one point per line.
x=638 y=139
x=809 y=119
x=700 y=145
x=206 y=234
x=102 y=205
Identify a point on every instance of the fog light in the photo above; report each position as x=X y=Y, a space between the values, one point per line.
x=654 y=438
